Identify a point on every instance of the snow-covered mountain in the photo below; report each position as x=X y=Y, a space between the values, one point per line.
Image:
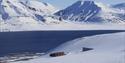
x=24 y=8
x=121 y=8
x=80 y=11
x=25 y=15
x=90 y=11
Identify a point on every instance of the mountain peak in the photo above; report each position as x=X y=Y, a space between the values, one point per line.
x=85 y=1
x=80 y=11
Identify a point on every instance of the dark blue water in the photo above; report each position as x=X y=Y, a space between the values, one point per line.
x=40 y=41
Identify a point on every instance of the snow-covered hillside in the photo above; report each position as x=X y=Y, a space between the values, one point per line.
x=24 y=8
x=107 y=48
x=91 y=12
x=23 y=14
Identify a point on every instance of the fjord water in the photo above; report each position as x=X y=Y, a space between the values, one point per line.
x=41 y=41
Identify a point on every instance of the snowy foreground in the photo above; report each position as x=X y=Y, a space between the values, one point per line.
x=107 y=48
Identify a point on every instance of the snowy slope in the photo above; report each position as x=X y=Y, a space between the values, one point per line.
x=25 y=7
x=91 y=12
x=107 y=48
x=110 y=14
x=106 y=42
x=121 y=8
x=14 y=9
x=23 y=14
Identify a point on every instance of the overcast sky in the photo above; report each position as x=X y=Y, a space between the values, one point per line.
x=65 y=3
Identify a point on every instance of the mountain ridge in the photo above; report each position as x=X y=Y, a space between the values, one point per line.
x=24 y=8
x=81 y=10
x=25 y=15
x=101 y=14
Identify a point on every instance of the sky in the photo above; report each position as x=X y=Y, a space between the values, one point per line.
x=65 y=3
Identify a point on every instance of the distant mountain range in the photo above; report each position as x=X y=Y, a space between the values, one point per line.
x=16 y=14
